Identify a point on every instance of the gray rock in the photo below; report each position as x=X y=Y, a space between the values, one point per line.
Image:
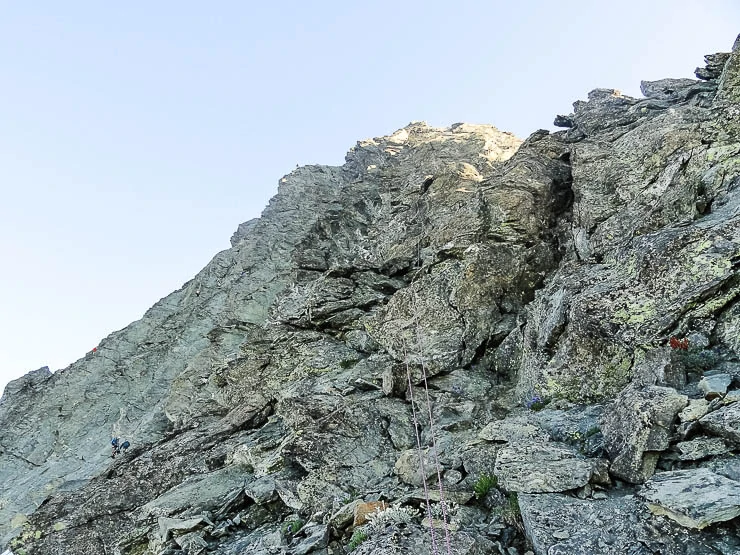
x=243 y=232
x=169 y=525
x=261 y=490
x=698 y=340
x=694 y=411
x=733 y=396
x=344 y=516
x=514 y=429
x=715 y=385
x=715 y=63
x=408 y=469
x=658 y=367
x=541 y=468
x=201 y=492
x=724 y=422
x=665 y=89
x=563 y=121
x=579 y=427
x=452 y=477
x=316 y=537
x=701 y=448
x=727 y=467
x=728 y=332
x=478 y=460
x=612 y=526
x=693 y=498
x=193 y=542
x=637 y=427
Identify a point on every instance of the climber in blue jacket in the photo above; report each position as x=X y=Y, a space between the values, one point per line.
x=118 y=447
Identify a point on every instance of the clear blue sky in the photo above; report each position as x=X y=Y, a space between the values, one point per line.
x=135 y=138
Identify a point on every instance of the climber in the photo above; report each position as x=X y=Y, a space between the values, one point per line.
x=125 y=445
x=115 y=447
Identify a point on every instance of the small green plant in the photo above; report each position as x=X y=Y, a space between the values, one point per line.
x=358 y=536
x=484 y=484
x=513 y=501
x=509 y=511
x=292 y=527
x=575 y=436
x=536 y=403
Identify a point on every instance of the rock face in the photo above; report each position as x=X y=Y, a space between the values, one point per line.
x=654 y=233
x=453 y=305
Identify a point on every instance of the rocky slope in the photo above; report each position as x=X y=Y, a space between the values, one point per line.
x=565 y=309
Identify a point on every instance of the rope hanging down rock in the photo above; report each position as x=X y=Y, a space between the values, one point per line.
x=442 y=501
x=422 y=471
x=418 y=447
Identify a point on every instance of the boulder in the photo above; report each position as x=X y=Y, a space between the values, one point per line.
x=169 y=525
x=701 y=448
x=637 y=427
x=564 y=525
x=715 y=385
x=694 y=498
x=541 y=468
x=724 y=422
x=513 y=429
x=313 y=537
x=408 y=469
x=694 y=411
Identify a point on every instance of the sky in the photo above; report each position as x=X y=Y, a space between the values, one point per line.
x=134 y=138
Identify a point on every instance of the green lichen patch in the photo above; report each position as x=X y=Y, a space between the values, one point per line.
x=636 y=311
x=595 y=371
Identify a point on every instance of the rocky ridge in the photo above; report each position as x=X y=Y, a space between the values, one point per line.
x=571 y=302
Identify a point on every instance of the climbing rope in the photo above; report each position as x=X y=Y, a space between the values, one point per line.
x=431 y=428
x=418 y=447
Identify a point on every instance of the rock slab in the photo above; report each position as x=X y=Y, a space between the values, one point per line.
x=542 y=468
x=694 y=498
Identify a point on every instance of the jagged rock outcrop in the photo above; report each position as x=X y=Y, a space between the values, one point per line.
x=654 y=234
x=542 y=325
x=638 y=428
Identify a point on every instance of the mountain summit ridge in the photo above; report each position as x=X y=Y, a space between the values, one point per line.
x=271 y=395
